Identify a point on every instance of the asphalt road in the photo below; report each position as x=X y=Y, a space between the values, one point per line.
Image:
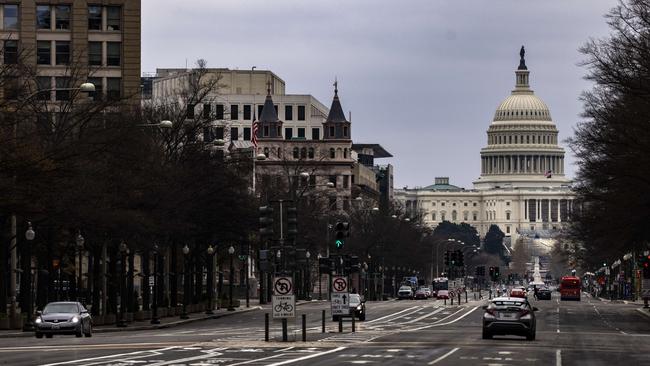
x=421 y=332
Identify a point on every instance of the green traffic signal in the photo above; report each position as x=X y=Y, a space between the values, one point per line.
x=339 y=243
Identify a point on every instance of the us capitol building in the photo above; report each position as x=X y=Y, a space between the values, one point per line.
x=522 y=187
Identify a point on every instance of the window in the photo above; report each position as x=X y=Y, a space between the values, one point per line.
x=346 y=204
x=98 y=94
x=266 y=152
x=43 y=53
x=95 y=53
x=474 y=204
x=247 y=133
x=332 y=204
x=453 y=215
x=315 y=134
x=234 y=134
x=208 y=136
x=234 y=111
x=507 y=229
x=301 y=113
x=508 y=203
x=94 y=17
x=10 y=17
x=345 y=131
x=332 y=179
x=296 y=152
x=346 y=181
x=207 y=110
x=442 y=216
x=465 y=216
x=189 y=114
x=301 y=132
x=331 y=131
x=474 y=216
x=218 y=133
x=288 y=112
x=10 y=52
x=507 y=215
x=11 y=88
x=454 y=204
x=62 y=83
x=114 y=89
x=43 y=17
x=345 y=153
x=442 y=204
x=62 y=52
x=433 y=216
x=247 y=112
x=43 y=83
x=220 y=110
x=311 y=153
x=332 y=153
x=288 y=133
x=259 y=111
x=62 y=14
x=303 y=153
x=113 y=53
x=266 y=131
x=113 y=18
x=312 y=180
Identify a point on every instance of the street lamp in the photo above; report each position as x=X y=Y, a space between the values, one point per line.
x=30 y=234
x=231 y=251
x=154 y=307
x=210 y=266
x=307 y=255
x=186 y=281
x=122 y=319
x=365 y=280
x=80 y=246
x=165 y=124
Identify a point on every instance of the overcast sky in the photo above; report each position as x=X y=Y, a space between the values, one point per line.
x=422 y=78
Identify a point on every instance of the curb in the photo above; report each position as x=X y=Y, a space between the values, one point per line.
x=645 y=313
x=145 y=327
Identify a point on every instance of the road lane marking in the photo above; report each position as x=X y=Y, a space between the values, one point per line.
x=443 y=356
x=149 y=353
x=209 y=353
x=307 y=357
x=390 y=315
x=439 y=323
x=558 y=358
x=424 y=316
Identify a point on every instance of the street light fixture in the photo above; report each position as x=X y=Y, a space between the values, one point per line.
x=154 y=307
x=30 y=234
x=307 y=255
x=80 y=245
x=122 y=320
x=210 y=266
x=231 y=251
x=186 y=281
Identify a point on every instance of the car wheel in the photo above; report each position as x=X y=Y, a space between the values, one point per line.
x=49 y=335
x=486 y=334
x=39 y=335
x=530 y=336
x=90 y=331
x=80 y=333
x=362 y=316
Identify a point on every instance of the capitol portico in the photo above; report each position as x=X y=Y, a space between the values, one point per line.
x=522 y=187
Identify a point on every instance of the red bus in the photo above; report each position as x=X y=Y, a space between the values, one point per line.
x=570 y=288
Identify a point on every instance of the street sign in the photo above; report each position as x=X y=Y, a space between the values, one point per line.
x=282 y=286
x=340 y=303
x=340 y=284
x=284 y=306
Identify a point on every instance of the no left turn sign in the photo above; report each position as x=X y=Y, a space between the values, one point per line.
x=339 y=284
x=282 y=286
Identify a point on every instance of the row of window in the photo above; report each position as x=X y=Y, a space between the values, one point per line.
x=219 y=112
x=59 y=17
x=522 y=113
x=453 y=204
x=61 y=54
x=109 y=88
x=519 y=139
x=212 y=133
x=491 y=215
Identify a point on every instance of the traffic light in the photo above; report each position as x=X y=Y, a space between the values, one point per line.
x=301 y=256
x=265 y=265
x=266 y=222
x=342 y=232
x=482 y=270
x=496 y=273
x=461 y=258
x=492 y=271
x=354 y=264
x=292 y=222
x=324 y=265
x=454 y=258
x=446 y=258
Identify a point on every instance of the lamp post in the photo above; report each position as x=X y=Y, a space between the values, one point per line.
x=231 y=251
x=365 y=280
x=308 y=275
x=80 y=246
x=122 y=318
x=210 y=252
x=28 y=326
x=154 y=307
x=186 y=281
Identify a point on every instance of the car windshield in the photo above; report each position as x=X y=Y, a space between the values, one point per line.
x=60 y=308
x=355 y=300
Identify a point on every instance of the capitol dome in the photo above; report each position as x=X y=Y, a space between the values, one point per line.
x=522 y=106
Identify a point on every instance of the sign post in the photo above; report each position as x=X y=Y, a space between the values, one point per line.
x=284 y=301
x=340 y=296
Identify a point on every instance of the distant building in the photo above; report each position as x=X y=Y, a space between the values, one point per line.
x=522 y=187
x=375 y=181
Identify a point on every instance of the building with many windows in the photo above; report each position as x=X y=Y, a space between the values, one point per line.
x=73 y=42
x=522 y=187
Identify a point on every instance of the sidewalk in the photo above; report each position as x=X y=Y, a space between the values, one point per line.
x=166 y=322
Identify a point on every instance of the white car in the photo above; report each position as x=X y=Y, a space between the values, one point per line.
x=405 y=292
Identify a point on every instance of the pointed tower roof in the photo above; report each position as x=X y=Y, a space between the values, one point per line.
x=336 y=111
x=269 y=115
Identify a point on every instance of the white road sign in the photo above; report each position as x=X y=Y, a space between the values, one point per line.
x=284 y=306
x=340 y=284
x=282 y=286
x=340 y=303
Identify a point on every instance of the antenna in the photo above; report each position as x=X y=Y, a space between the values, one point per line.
x=350 y=116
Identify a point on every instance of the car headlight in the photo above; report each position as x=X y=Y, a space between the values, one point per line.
x=75 y=319
x=38 y=321
x=359 y=307
x=526 y=317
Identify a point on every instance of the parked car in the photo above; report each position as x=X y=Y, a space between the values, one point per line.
x=544 y=293
x=518 y=292
x=428 y=291
x=405 y=292
x=357 y=306
x=509 y=315
x=442 y=294
x=64 y=317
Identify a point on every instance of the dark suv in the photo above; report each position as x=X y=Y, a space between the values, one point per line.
x=509 y=315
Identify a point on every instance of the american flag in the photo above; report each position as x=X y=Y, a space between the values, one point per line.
x=256 y=126
x=548 y=174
